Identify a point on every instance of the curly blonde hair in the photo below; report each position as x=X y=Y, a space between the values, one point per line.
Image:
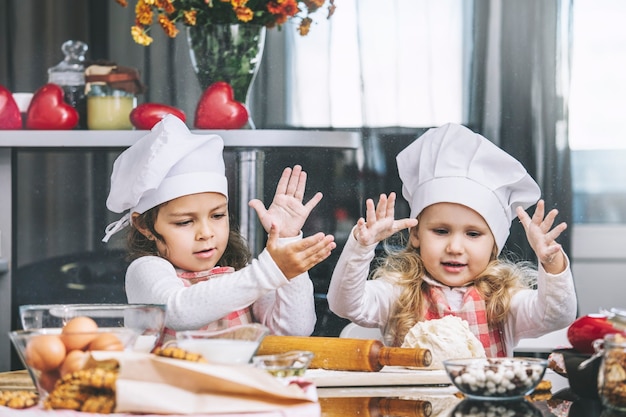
x=496 y=284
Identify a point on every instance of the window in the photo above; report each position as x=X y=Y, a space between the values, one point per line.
x=379 y=64
x=597 y=105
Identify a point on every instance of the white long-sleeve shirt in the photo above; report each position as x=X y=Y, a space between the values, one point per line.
x=285 y=306
x=370 y=303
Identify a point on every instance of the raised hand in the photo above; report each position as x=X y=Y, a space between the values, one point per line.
x=287 y=211
x=379 y=222
x=298 y=257
x=542 y=237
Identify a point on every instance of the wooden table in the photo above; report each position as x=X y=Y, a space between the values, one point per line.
x=370 y=401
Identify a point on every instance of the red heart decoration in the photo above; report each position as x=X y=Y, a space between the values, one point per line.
x=10 y=116
x=217 y=109
x=48 y=111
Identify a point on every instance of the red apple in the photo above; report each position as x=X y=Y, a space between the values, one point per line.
x=586 y=329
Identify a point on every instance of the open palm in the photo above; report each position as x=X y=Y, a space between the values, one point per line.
x=287 y=210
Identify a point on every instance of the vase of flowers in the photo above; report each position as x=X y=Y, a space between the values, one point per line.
x=226 y=37
x=227 y=52
x=235 y=26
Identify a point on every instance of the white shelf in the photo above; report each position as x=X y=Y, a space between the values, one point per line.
x=253 y=139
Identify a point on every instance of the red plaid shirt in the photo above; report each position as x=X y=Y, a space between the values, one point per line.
x=473 y=310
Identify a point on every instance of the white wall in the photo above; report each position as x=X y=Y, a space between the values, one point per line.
x=599 y=266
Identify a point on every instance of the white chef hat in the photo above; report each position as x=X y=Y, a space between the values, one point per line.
x=167 y=163
x=455 y=165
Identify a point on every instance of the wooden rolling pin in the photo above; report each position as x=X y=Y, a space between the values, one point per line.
x=374 y=407
x=344 y=354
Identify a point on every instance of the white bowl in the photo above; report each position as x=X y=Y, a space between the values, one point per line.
x=234 y=345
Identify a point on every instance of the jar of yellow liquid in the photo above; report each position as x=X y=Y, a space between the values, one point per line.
x=110 y=111
x=111 y=96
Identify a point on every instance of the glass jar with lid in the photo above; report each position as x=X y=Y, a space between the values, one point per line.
x=612 y=373
x=111 y=96
x=69 y=74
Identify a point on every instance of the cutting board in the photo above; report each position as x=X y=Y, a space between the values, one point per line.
x=389 y=375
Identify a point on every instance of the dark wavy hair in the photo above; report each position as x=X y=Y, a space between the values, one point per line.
x=236 y=255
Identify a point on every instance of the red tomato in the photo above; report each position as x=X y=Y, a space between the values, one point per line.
x=146 y=115
x=586 y=329
x=48 y=111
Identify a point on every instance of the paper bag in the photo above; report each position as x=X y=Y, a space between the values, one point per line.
x=151 y=384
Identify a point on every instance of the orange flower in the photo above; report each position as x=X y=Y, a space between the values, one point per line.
x=268 y=13
x=143 y=13
x=244 y=14
x=189 y=17
x=140 y=36
x=313 y=5
x=283 y=7
x=165 y=5
x=305 y=25
x=168 y=26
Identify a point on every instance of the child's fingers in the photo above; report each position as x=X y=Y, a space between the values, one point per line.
x=404 y=224
x=521 y=214
x=539 y=212
x=553 y=234
x=381 y=208
x=294 y=180
x=298 y=257
x=548 y=222
x=370 y=211
x=283 y=182
x=391 y=205
x=301 y=186
x=316 y=248
x=259 y=207
x=273 y=235
x=310 y=205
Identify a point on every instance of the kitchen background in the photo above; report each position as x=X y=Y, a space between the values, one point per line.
x=518 y=80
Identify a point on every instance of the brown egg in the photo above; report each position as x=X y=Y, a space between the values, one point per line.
x=74 y=361
x=45 y=352
x=106 y=341
x=79 y=332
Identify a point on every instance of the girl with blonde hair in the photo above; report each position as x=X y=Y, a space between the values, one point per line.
x=463 y=192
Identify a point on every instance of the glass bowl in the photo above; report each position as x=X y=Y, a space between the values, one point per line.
x=49 y=354
x=234 y=345
x=147 y=320
x=496 y=378
x=284 y=365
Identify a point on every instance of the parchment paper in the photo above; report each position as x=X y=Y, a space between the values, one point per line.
x=153 y=384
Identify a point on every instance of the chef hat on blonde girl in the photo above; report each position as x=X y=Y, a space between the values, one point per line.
x=167 y=163
x=452 y=164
